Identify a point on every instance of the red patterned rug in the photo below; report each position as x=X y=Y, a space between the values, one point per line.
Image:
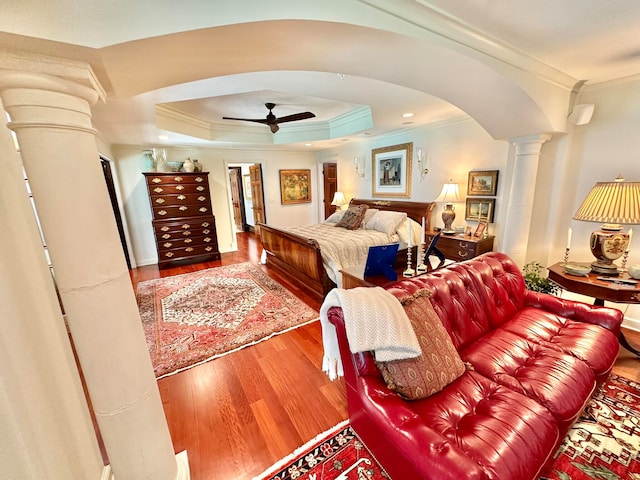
x=192 y=318
x=603 y=444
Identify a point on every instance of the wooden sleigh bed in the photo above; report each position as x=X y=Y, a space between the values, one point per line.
x=300 y=258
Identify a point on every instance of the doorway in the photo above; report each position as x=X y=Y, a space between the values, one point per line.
x=330 y=178
x=237 y=198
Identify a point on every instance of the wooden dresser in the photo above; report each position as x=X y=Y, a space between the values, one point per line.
x=461 y=247
x=183 y=221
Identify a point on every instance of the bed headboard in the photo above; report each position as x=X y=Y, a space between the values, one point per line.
x=414 y=210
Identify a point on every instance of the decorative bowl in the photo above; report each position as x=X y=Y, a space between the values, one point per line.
x=577 y=269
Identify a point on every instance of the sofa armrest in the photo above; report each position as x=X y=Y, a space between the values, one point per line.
x=609 y=318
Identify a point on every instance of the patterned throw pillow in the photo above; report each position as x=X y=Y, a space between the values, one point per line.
x=439 y=364
x=352 y=218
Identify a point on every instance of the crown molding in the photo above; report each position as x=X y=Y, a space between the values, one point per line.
x=437 y=22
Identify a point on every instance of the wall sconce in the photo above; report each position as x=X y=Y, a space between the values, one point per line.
x=359 y=165
x=422 y=163
x=338 y=200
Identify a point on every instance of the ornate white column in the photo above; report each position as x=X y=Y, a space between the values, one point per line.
x=49 y=102
x=521 y=195
x=44 y=418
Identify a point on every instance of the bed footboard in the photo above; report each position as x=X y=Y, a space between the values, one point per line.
x=297 y=257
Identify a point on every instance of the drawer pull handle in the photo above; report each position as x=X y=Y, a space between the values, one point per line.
x=199 y=179
x=206 y=232
x=200 y=188
x=207 y=239
x=164 y=229
x=167 y=244
x=188 y=249
x=205 y=224
x=158 y=189
x=178 y=179
x=208 y=249
x=168 y=254
x=162 y=212
x=166 y=235
x=181 y=197
x=187 y=240
x=180 y=187
x=160 y=200
x=201 y=198
x=156 y=180
x=186 y=233
x=183 y=208
x=203 y=209
x=186 y=225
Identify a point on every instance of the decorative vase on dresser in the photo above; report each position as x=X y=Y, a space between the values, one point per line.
x=183 y=220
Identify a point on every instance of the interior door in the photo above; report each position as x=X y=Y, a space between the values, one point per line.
x=235 y=180
x=257 y=195
x=330 y=174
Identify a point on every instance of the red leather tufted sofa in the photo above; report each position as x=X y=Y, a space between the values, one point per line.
x=537 y=359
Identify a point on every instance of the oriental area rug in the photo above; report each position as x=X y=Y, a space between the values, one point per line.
x=603 y=444
x=192 y=318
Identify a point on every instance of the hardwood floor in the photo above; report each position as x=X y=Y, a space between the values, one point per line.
x=239 y=414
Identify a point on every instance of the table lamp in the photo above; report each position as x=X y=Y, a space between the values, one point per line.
x=448 y=195
x=612 y=204
x=338 y=200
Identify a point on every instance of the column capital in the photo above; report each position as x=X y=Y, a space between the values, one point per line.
x=72 y=71
x=530 y=144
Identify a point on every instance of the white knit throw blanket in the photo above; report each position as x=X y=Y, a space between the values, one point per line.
x=374 y=320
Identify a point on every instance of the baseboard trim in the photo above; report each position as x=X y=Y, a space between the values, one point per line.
x=181 y=459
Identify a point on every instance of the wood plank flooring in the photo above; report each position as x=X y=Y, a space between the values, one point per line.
x=239 y=414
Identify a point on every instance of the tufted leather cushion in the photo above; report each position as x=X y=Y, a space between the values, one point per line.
x=352 y=218
x=437 y=366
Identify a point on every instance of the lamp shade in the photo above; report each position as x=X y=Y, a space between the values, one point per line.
x=338 y=199
x=449 y=193
x=611 y=203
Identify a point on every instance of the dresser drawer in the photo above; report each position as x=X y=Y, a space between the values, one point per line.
x=169 y=235
x=175 y=178
x=459 y=248
x=180 y=199
x=186 y=224
x=176 y=189
x=172 y=211
x=186 y=252
x=164 y=245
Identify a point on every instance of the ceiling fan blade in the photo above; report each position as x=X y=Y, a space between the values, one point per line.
x=295 y=117
x=257 y=120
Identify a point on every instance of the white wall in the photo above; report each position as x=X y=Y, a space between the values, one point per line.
x=452 y=149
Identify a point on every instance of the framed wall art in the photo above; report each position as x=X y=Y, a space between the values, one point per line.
x=391 y=167
x=295 y=186
x=483 y=183
x=480 y=209
x=246 y=179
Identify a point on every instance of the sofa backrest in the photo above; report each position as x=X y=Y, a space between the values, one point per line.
x=472 y=297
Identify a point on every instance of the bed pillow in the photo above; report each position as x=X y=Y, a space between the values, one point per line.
x=416 y=231
x=368 y=216
x=352 y=218
x=386 y=222
x=335 y=217
x=437 y=366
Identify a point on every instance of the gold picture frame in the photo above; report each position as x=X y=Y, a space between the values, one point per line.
x=480 y=209
x=483 y=183
x=391 y=171
x=295 y=186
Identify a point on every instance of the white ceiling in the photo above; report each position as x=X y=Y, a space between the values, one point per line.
x=591 y=40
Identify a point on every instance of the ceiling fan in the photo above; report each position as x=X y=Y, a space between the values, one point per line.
x=272 y=120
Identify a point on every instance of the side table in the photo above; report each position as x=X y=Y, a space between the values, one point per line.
x=461 y=247
x=601 y=290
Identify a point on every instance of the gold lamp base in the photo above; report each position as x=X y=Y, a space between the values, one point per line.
x=607 y=245
x=448 y=216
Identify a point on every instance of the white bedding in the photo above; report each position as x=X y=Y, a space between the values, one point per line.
x=342 y=248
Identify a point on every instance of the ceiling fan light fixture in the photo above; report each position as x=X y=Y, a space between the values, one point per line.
x=272 y=121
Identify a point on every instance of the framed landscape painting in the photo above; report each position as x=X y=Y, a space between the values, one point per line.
x=295 y=186
x=483 y=183
x=480 y=209
x=391 y=167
